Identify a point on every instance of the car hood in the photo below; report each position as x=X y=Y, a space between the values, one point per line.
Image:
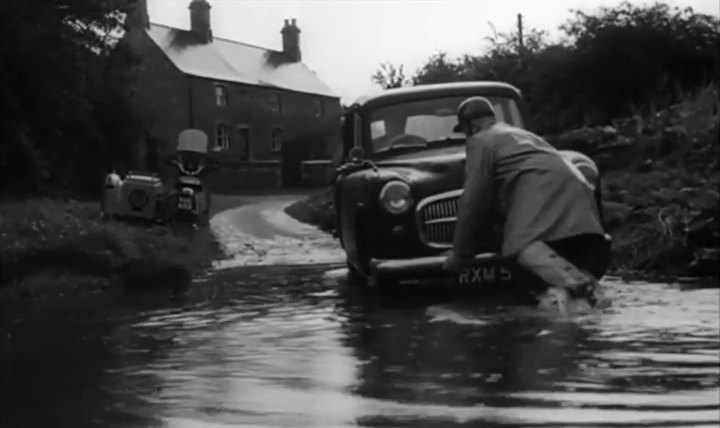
x=429 y=171
x=435 y=160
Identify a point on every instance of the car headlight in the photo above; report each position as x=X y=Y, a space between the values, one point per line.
x=395 y=197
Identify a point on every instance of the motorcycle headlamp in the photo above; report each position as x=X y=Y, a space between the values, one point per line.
x=395 y=197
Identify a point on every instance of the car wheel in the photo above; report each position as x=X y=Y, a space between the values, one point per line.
x=354 y=276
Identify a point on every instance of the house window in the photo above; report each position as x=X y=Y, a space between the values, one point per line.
x=222 y=137
x=275 y=102
x=276 y=139
x=244 y=147
x=319 y=108
x=221 y=95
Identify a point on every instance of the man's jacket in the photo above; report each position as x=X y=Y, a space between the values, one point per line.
x=513 y=174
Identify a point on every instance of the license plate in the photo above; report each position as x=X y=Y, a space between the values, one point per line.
x=481 y=275
x=185 y=203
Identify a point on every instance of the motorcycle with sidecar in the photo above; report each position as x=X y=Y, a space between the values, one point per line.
x=143 y=196
x=138 y=196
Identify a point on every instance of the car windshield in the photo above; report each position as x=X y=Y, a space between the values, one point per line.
x=417 y=123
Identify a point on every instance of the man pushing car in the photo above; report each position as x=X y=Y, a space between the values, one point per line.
x=552 y=225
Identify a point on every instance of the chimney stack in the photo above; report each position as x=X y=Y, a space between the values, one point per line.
x=291 y=40
x=200 y=20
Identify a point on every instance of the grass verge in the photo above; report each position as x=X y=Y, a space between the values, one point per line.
x=50 y=247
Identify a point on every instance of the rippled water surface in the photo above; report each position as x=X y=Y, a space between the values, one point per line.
x=291 y=347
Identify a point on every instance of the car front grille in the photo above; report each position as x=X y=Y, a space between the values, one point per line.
x=436 y=217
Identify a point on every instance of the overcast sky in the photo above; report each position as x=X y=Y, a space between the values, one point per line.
x=344 y=41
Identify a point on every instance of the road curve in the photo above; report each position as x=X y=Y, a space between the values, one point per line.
x=257 y=232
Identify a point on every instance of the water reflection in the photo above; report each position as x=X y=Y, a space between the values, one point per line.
x=288 y=347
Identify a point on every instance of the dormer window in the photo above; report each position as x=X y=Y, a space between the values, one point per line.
x=221 y=96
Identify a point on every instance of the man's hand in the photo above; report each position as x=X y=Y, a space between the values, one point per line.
x=451 y=264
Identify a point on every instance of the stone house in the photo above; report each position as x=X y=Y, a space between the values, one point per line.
x=250 y=100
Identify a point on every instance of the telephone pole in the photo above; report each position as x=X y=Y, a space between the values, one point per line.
x=521 y=47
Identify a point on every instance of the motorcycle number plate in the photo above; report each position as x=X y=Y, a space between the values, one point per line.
x=185 y=203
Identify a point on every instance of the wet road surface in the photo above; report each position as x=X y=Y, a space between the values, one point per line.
x=293 y=347
x=259 y=233
x=284 y=346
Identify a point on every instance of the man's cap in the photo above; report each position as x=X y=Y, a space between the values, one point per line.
x=471 y=109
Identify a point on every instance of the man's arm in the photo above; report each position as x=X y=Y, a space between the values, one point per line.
x=475 y=206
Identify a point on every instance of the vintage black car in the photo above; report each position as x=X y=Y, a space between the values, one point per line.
x=396 y=192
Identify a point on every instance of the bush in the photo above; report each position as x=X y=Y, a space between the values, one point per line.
x=661 y=171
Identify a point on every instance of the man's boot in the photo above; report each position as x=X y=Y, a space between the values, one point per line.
x=567 y=282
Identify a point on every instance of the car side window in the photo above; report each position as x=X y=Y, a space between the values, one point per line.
x=515 y=113
x=500 y=112
x=378 y=133
x=377 y=129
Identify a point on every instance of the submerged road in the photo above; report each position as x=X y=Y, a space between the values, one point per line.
x=274 y=337
x=259 y=233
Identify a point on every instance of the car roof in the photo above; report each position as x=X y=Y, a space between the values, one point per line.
x=410 y=93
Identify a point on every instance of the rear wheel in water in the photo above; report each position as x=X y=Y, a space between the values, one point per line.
x=354 y=276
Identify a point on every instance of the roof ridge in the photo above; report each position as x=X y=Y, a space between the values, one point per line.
x=302 y=79
x=221 y=38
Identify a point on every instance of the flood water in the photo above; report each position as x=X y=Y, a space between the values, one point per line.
x=293 y=347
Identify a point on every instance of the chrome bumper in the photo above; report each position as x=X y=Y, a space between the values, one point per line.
x=421 y=265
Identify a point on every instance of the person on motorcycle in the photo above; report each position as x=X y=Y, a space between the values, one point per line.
x=552 y=225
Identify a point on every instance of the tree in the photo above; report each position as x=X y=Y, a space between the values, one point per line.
x=440 y=69
x=51 y=88
x=607 y=65
x=390 y=76
x=632 y=55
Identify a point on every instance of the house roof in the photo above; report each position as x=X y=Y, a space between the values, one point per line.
x=238 y=62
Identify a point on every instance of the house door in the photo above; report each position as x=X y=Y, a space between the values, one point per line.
x=291 y=158
x=244 y=146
